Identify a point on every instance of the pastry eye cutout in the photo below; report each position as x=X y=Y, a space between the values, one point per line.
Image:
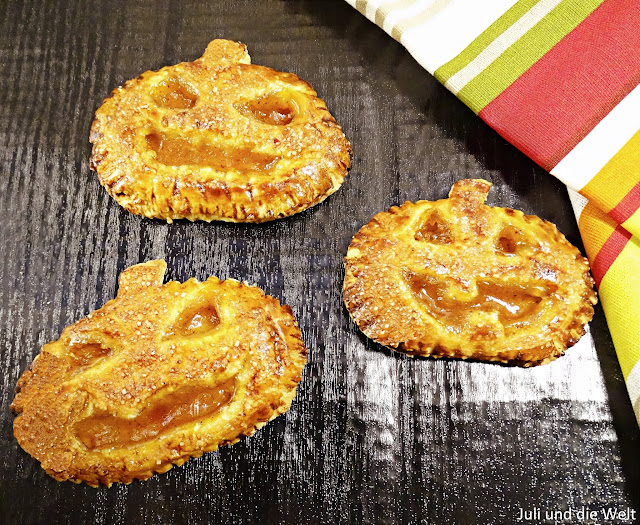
x=512 y=241
x=276 y=109
x=174 y=93
x=457 y=278
x=160 y=374
x=87 y=354
x=434 y=228
x=198 y=319
x=218 y=138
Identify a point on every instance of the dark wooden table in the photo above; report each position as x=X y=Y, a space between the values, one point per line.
x=371 y=436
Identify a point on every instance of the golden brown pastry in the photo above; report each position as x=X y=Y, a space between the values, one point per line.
x=158 y=375
x=457 y=278
x=218 y=139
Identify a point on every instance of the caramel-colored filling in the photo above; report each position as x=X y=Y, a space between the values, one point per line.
x=177 y=151
x=84 y=355
x=275 y=109
x=511 y=241
x=434 y=228
x=513 y=302
x=161 y=415
x=174 y=94
x=196 y=320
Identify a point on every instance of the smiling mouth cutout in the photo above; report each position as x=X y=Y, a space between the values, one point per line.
x=513 y=305
x=162 y=414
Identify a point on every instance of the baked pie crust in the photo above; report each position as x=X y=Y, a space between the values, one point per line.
x=160 y=374
x=218 y=139
x=457 y=278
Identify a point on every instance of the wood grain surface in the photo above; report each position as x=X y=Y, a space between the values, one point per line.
x=372 y=437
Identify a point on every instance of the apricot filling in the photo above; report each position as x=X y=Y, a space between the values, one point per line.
x=86 y=354
x=511 y=241
x=174 y=94
x=513 y=302
x=161 y=415
x=277 y=109
x=434 y=228
x=178 y=151
x=196 y=320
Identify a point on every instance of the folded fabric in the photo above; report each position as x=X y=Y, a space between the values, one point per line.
x=559 y=79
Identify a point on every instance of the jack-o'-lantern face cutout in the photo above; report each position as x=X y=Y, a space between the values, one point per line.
x=218 y=139
x=458 y=278
x=158 y=375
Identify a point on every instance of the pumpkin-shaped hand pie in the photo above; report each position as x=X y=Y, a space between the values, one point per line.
x=457 y=278
x=218 y=139
x=158 y=375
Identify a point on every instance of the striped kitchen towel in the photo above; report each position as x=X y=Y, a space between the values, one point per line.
x=559 y=79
